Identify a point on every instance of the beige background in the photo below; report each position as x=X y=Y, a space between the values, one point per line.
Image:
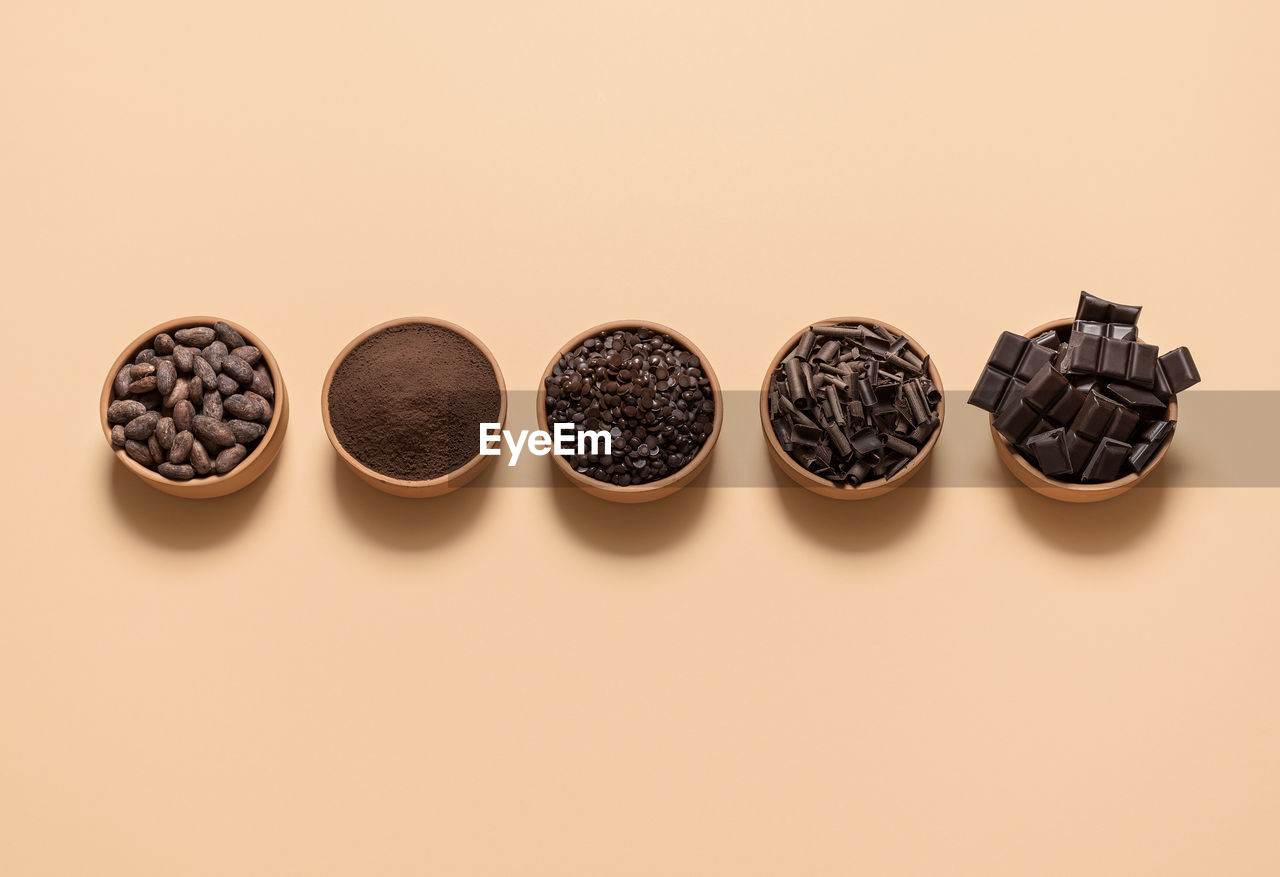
x=312 y=679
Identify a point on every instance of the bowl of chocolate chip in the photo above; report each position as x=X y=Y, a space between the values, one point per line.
x=851 y=407
x=404 y=403
x=650 y=391
x=195 y=407
x=1082 y=409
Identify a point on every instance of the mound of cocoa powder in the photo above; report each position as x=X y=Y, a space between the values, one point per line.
x=408 y=401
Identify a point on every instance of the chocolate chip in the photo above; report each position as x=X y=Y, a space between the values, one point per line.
x=620 y=380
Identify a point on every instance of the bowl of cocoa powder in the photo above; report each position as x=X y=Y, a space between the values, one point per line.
x=403 y=404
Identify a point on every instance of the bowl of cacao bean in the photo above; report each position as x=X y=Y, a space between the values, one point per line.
x=196 y=407
x=404 y=403
x=646 y=387
x=851 y=407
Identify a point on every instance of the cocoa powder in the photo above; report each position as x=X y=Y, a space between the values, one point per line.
x=408 y=401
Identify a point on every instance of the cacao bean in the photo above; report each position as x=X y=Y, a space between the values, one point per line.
x=153 y=447
x=246 y=432
x=181 y=448
x=230 y=459
x=227 y=335
x=262 y=383
x=227 y=384
x=142 y=369
x=199 y=336
x=238 y=369
x=138 y=452
x=166 y=377
x=262 y=403
x=205 y=371
x=179 y=393
x=176 y=472
x=143 y=385
x=184 y=358
x=163 y=344
x=212 y=406
x=195 y=391
x=118 y=438
x=165 y=432
x=122 y=381
x=140 y=428
x=200 y=459
x=214 y=354
x=183 y=413
x=245 y=407
x=124 y=410
x=212 y=433
x=249 y=354
x=144 y=355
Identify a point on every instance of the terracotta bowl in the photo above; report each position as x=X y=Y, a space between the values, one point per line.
x=213 y=485
x=663 y=487
x=446 y=483
x=1065 y=491
x=825 y=486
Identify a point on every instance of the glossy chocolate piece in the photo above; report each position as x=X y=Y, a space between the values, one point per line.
x=1051 y=452
x=1105 y=463
x=1118 y=331
x=1013 y=358
x=1099 y=310
x=1016 y=422
x=1180 y=369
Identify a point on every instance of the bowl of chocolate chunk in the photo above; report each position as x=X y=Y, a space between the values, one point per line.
x=196 y=407
x=1083 y=409
x=851 y=407
x=640 y=406
x=404 y=404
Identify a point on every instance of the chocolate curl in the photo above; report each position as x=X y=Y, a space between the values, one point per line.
x=894 y=359
x=807 y=371
x=796 y=414
x=838 y=439
x=865 y=393
x=854 y=332
x=827 y=351
x=797 y=386
x=834 y=409
x=916 y=403
x=805 y=345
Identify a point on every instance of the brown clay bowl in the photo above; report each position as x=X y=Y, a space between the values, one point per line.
x=213 y=485
x=663 y=487
x=1065 y=491
x=825 y=486
x=446 y=483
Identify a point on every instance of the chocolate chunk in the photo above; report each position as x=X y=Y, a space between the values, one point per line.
x=1051 y=452
x=1106 y=462
x=1180 y=369
x=1099 y=310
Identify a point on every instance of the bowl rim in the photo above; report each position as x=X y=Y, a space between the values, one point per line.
x=675 y=479
x=1013 y=458
x=169 y=327
x=879 y=485
x=429 y=483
